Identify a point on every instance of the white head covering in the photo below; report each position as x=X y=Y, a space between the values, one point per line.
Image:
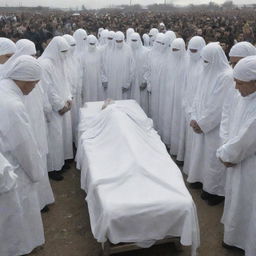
x=158 y=43
x=179 y=44
x=245 y=70
x=152 y=35
x=111 y=34
x=71 y=42
x=80 y=36
x=145 y=38
x=118 y=37
x=25 y=68
x=7 y=46
x=92 y=42
x=136 y=42
x=242 y=49
x=196 y=43
x=171 y=36
x=129 y=32
x=104 y=37
x=99 y=32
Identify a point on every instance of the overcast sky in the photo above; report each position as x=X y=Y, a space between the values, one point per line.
x=104 y=3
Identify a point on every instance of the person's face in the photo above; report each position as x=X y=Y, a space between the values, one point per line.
x=245 y=88
x=234 y=61
x=26 y=86
x=4 y=58
x=224 y=46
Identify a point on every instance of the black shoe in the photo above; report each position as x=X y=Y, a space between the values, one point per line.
x=55 y=176
x=230 y=247
x=196 y=185
x=214 y=200
x=45 y=209
x=66 y=166
x=179 y=163
x=205 y=195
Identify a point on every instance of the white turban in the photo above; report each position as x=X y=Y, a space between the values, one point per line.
x=25 y=68
x=242 y=49
x=7 y=46
x=245 y=70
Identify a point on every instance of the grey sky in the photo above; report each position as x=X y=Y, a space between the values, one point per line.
x=104 y=3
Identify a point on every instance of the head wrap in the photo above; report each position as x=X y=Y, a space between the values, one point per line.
x=242 y=49
x=6 y=46
x=245 y=70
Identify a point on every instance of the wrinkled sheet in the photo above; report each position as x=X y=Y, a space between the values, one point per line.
x=135 y=192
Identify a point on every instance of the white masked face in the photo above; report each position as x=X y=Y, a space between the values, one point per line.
x=92 y=46
x=119 y=44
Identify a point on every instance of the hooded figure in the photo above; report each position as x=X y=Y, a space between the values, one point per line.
x=118 y=69
x=80 y=36
x=205 y=122
x=74 y=83
x=18 y=145
x=171 y=93
x=7 y=49
x=171 y=35
x=154 y=66
x=92 y=84
x=99 y=32
x=139 y=87
x=195 y=67
x=55 y=84
x=152 y=36
x=129 y=32
x=34 y=103
x=145 y=38
x=103 y=37
x=238 y=154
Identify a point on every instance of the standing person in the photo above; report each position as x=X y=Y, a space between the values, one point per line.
x=74 y=83
x=139 y=86
x=205 y=121
x=145 y=38
x=195 y=68
x=238 y=154
x=152 y=36
x=154 y=65
x=119 y=69
x=55 y=84
x=7 y=49
x=129 y=32
x=92 y=85
x=19 y=147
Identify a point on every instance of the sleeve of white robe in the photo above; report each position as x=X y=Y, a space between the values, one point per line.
x=147 y=73
x=212 y=115
x=240 y=147
x=103 y=72
x=56 y=102
x=131 y=71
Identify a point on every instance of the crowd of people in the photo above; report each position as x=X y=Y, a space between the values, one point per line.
x=202 y=107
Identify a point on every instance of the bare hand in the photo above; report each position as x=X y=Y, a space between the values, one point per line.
x=196 y=127
x=227 y=164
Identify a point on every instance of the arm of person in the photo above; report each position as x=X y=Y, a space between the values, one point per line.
x=240 y=147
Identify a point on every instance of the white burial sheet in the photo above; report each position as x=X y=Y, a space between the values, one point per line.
x=135 y=192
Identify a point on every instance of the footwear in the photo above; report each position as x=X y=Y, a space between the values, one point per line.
x=214 y=200
x=45 y=209
x=54 y=175
x=66 y=166
x=205 y=195
x=196 y=185
x=230 y=247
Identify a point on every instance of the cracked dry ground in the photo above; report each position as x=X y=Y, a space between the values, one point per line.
x=68 y=232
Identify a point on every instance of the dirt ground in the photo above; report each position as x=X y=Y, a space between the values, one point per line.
x=68 y=232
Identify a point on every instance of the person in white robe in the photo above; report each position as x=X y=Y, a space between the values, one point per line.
x=238 y=155
x=74 y=81
x=18 y=145
x=152 y=36
x=145 y=39
x=171 y=94
x=34 y=103
x=139 y=86
x=129 y=32
x=103 y=37
x=205 y=121
x=92 y=84
x=118 y=69
x=7 y=49
x=154 y=66
x=171 y=35
x=55 y=84
x=195 y=67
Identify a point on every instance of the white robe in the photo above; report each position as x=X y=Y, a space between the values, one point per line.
x=207 y=107
x=239 y=216
x=141 y=96
x=35 y=109
x=92 y=89
x=118 y=69
x=19 y=147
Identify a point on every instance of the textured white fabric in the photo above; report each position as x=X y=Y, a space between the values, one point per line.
x=157 y=203
x=240 y=148
x=138 y=92
x=246 y=70
x=195 y=68
x=145 y=38
x=207 y=108
x=7 y=46
x=17 y=143
x=24 y=68
x=242 y=49
x=152 y=36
